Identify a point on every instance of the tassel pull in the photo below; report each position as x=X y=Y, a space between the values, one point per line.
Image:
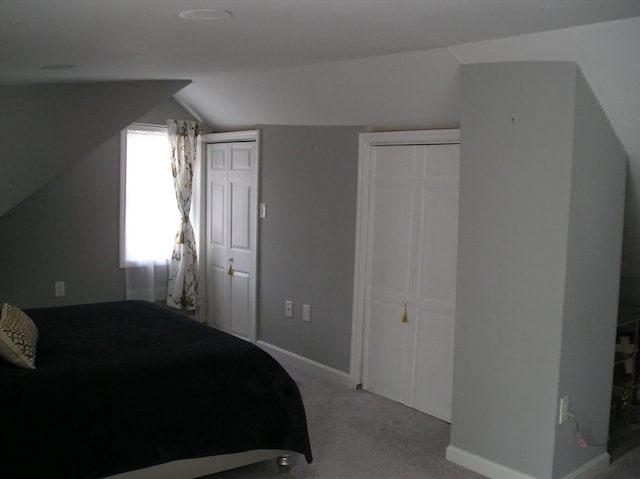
x=230 y=270
x=405 y=316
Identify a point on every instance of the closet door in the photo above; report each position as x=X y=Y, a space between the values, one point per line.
x=410 y=290
x=231 y=236
x=395 y=201
x=436 y=282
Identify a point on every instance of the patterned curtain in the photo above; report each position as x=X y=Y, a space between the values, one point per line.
x=184 y=139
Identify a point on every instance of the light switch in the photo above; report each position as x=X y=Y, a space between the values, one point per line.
x=306 y=313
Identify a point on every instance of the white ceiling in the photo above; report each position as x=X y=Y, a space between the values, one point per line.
x=142 y=39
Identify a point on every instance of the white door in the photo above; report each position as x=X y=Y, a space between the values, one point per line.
x=410 y=279
x=231 y=215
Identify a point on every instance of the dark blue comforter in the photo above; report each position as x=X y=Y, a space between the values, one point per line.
x=125 y=385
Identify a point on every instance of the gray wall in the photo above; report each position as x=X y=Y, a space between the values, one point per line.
x=593 y=269
x=45 y=129
x=307 y=242
x=68 y=230
x=520 y=309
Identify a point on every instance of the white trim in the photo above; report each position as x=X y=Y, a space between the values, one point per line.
x=122 y=260
x=592 y=468
x=483 y=466
x=493 y=470
x=229 y=137
x=287 y=358
x=366 y=143
x=414 y=137
x=247 y=135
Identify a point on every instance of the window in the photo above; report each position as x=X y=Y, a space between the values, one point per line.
x=149 y=216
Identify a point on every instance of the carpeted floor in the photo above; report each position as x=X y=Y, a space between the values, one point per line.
x=356 y=434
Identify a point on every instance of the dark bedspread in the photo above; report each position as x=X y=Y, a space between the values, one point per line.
x=126 y=385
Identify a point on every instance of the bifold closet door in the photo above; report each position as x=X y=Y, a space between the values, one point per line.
x=410 y=294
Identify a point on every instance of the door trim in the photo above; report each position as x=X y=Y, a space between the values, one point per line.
x=230 y=137
x=366 y=143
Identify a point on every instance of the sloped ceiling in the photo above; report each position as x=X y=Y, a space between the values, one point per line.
x=42 y=136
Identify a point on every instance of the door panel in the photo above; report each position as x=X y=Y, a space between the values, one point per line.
x=391 y=237
x=433 y=381
x=240 y=301
x=240 y=217
x=386 y=363
x=217 y=285
x=395 y=200
x=216 y=213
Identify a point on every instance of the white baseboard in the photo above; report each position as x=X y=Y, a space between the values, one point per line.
x=592 y=468
x=497 y=471
x=287 y=358
x=483 y=466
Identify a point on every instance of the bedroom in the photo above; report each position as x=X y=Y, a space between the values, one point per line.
x=78 y=244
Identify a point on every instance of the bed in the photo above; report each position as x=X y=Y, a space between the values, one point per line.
x=130 y=386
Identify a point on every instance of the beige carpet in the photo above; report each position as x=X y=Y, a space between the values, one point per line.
x=358 y=435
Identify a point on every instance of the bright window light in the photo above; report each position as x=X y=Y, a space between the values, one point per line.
x=149 y=214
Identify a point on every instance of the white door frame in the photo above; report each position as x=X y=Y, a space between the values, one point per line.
x=229 y=137
x=361 y=267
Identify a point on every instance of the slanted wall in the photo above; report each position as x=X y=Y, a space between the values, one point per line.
x=591 y=291
x=47 y=128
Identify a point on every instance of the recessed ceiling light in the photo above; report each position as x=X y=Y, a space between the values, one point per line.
x=204 y=14
x=58 y=66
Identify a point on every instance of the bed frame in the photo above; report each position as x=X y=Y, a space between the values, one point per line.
x=203 y=466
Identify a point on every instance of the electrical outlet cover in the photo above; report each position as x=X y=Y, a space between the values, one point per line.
x=564 y=410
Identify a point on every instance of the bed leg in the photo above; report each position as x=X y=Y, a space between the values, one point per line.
x=285 y=461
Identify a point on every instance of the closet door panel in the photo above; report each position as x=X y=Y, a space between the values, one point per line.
x=386 y=358
x=392 y=238
x=433 y=380
x=436 y=288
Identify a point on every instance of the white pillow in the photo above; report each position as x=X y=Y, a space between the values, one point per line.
x=18 y=337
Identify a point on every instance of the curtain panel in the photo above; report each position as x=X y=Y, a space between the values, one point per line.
x=184 y=139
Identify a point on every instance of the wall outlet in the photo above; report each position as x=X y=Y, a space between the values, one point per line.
x=563 y=416
x=306 y=313
x=288 y=309
x=60 y=290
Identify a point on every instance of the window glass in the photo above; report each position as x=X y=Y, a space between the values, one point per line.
x=149 y=213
